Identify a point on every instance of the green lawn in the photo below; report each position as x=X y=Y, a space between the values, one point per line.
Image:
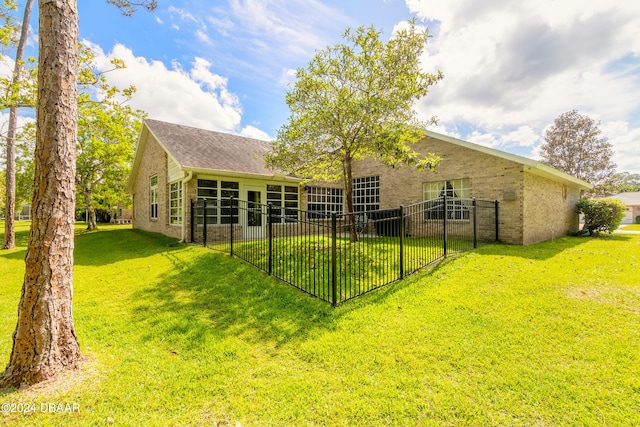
x=182 y=335
x=306 y=261
x=634 y=227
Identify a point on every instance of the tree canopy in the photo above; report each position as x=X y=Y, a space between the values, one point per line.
x=128 y=8
x=355 y=100
x=627 y=182
x=574 y=144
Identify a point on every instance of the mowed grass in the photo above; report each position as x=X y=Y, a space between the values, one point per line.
x=633 y=227
x=174 y=334
x=306 y=261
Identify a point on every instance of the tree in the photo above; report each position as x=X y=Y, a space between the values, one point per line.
x=128 y=8
x=627 y=182
x=45 y=341
x=7 y=22
x=13 y=92
x=25 y=148
x=601 y=215
x=355 y=101
x=107 y=134
x=573 y=144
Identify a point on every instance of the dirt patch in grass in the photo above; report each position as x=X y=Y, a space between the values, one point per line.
x=616 y=296
x=63 y=382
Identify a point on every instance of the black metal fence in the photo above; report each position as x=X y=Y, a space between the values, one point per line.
x=337 y=257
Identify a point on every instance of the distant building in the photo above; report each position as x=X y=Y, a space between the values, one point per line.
x=632 y=200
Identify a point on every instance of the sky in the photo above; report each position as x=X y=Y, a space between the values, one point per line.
x=510 y=67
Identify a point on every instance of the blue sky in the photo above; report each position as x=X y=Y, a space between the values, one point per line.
x=510 y=67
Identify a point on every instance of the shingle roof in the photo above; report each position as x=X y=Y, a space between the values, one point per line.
x=630 y=199
x=201 y=149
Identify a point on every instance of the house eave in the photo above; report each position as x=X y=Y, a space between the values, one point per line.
x=530 y=165
x=234 y=174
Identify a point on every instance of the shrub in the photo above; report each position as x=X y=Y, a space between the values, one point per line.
x=601 y=215
x=638 y=219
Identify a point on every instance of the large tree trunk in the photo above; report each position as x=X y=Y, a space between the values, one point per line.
x=44 y=341
x=10 y=206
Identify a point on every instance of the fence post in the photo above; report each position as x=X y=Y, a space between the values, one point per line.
x=192 y=216
x=496 y=207
x=475 y=223
x=230 y=224
x=204 y=223
x=270 y=237
x=334 y=253
x=402 y=231
x=444 y=223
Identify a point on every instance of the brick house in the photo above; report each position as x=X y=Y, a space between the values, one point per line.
x=175 y=164
x=632 y=212
x=536 y=202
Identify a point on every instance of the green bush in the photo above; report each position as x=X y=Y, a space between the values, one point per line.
x=638 y=219
x=601 y=215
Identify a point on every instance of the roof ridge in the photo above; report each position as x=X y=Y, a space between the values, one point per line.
x=198 y=129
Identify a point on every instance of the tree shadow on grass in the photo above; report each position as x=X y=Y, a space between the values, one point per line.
x=103 y=247
x=215 y=296
x=22 y=238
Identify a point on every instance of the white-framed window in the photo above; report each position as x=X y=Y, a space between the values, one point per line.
x=323 y=201
x=458 y=191
x=218 y=196
x=366 y=194
x=175 y=203
x=283 y=197
x=153 y=197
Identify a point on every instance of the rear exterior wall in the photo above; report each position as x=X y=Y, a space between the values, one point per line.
x=491 y=178
x=549 y=209
x=154 y=162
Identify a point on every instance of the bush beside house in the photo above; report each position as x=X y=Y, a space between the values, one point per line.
x=601 y=215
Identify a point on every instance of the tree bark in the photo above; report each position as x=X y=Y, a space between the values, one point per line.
x=45 y=341
x=10 y=205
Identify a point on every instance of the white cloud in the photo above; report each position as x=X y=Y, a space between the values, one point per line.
x=512 y=67
x=293 y=27
x=626 y=142
x=196 y=97
x=203 y=37
x=255 y=133
x=4 y=125
x=183 y=14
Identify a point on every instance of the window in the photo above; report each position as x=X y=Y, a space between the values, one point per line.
x=283 y=197
x=459 y=190
x=175 y=203
x=218 y=196
x=366 y=194
x=153 y=197
x=322 y=201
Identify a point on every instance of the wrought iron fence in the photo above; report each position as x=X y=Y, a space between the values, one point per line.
x=337 y=257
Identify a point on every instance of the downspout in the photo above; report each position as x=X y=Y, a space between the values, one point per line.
x=185 y=180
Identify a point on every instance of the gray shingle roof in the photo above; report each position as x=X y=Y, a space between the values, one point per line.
x=203 y=149
x=630 y=199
